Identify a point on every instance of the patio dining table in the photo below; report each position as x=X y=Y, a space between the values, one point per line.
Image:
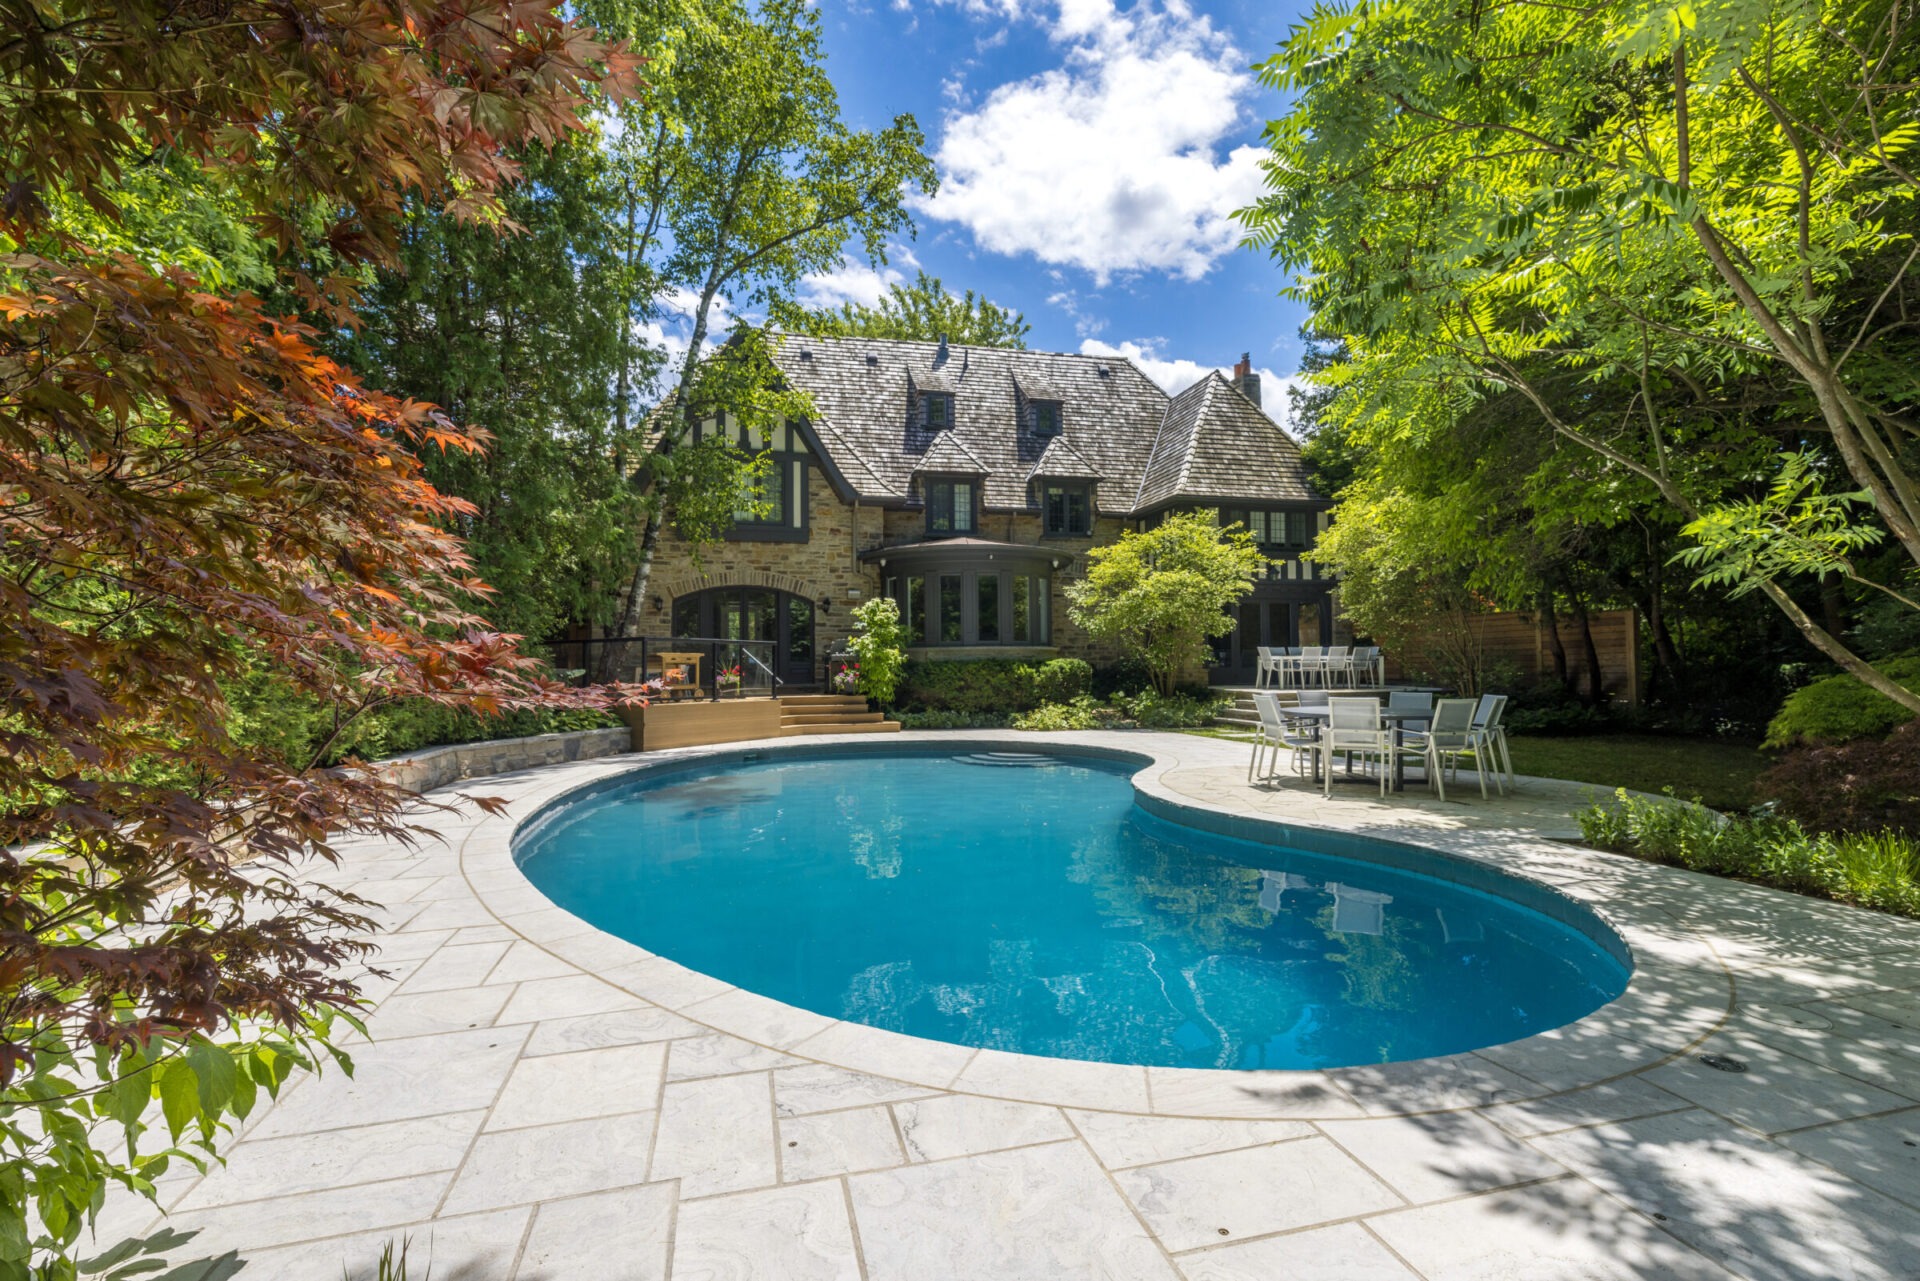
x=1395 y=718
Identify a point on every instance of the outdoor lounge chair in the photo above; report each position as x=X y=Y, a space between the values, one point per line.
x=1449 y=736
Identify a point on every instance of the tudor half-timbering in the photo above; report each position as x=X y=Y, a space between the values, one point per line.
x=968 y=484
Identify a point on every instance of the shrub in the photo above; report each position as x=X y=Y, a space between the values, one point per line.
x=1840 y=708
x=1062 y=680
x=1879 y=870
x=1084 y=712
x=1152 y=710
x=951 y=720
x=876 y=648
x=970 y=685
x=1860 y=786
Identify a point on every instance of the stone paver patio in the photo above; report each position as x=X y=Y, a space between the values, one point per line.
x=545 y=1101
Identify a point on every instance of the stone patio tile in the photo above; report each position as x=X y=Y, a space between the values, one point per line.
x=1120 y=1086
x=860 y=1048
x=1032 y=1214
x=757 y=1018
x=406 y=947
x=1778 y=1091
x=473 y=1245
x=620 y=1027
x=1441 y=1154
x=259 y=1169
x=1841 y=1038
x=1344 y=1252
x=1763 y=1211
x=1882 y=1152
x=716 y=1135
x=962 y=1124
x=1580 y=1054
x=450 y=913
x=1872 y=1032
x=311 y=1215
x=396 y=1080
x=1566 y=1230
x=666 y=982
x=1120 y=1139
x=455 y=966
x=795 y=1233
x=1896 y=1007
x=828 y=1144
x=575 y=1087
x=515 y=1167
x=524 y=961
x=609 y=1236
x=1209 y=1200
x=819 y=1088
x=1423 y=1085
x=1200 y=1092
x=1622 y=1100
x=541 y=999
x=432 y=1013
x=494 y=933
x=717 y=1054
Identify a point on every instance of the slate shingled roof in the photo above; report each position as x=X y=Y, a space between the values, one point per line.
x=1114 y=420
x=1215 y=445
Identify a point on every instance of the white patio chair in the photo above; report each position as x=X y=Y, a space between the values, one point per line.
x=1312 y=666
x=1354 y=726
x=1314 y=698
x=1369 y=661
x=1411 y=700
x=1288 y=669
x=1448 y=737
x=1266 y=663
x=1493 y=736
x=1339 y=670
x=1266 y=736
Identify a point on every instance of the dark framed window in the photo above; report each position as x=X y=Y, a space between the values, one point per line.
x=766 y=502
x=950 y=506
x=781 y=494
x=936 y=409
x=1067 y=510
x=974 y=607
x=1046 y=417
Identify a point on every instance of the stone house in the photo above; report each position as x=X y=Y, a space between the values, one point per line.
x=968 y=484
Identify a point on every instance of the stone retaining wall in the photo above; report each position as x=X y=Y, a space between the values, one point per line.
x=437 y=766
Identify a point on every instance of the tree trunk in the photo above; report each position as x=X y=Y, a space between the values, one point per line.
x=1832 y=604
x=1595 y=676
x=628 y=624
x=1554 y=643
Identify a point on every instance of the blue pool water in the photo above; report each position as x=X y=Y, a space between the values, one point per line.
x=1036 y=908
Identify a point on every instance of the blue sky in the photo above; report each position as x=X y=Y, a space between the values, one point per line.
x=1089 y=157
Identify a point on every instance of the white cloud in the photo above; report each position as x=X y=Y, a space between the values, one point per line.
x=1114 y=161
x=1175 y=375
x=852 y=281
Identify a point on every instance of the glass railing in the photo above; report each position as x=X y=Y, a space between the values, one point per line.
x=681 y=666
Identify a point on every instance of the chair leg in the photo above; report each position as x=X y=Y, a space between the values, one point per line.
x=1506 y=757
x=1436 y=773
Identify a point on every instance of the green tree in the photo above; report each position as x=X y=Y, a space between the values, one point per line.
x=524 y=337
x=1668 y=199
x=923 y=310
x=877 y=648
x=744 y=180
x=1160 y=593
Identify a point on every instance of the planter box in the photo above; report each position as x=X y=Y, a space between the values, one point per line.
x=691 y=724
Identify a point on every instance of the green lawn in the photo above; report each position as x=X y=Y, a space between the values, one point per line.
x=1718 y=772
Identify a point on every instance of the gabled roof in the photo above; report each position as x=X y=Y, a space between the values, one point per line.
x=1209 y=443
x=1061 y=461
x=947 y=454
x=1215 y=445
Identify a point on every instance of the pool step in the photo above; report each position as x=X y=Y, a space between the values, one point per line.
x=1009 y=760
x=831 y=714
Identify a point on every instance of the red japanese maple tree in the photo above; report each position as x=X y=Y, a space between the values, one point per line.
x=189 y=491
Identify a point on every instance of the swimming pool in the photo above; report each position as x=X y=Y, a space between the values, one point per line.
x=1025 y=902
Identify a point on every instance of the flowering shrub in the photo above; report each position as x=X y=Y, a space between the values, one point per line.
x=846 y=680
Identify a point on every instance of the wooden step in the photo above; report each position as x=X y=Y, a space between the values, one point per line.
x=865 y=727
x=830 y=718
x=816 y=702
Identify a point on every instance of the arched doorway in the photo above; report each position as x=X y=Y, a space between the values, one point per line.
x=753 y=613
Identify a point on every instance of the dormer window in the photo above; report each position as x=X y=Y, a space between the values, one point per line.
x=949 y=506
x=936 y=409
x=1045 y=415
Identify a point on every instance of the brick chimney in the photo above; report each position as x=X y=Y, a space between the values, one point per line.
x=1245 y=379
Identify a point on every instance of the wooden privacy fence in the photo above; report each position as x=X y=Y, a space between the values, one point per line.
x=1522 y=638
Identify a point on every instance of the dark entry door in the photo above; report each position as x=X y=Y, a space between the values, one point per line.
x=754 y=613
x=1261 y=622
